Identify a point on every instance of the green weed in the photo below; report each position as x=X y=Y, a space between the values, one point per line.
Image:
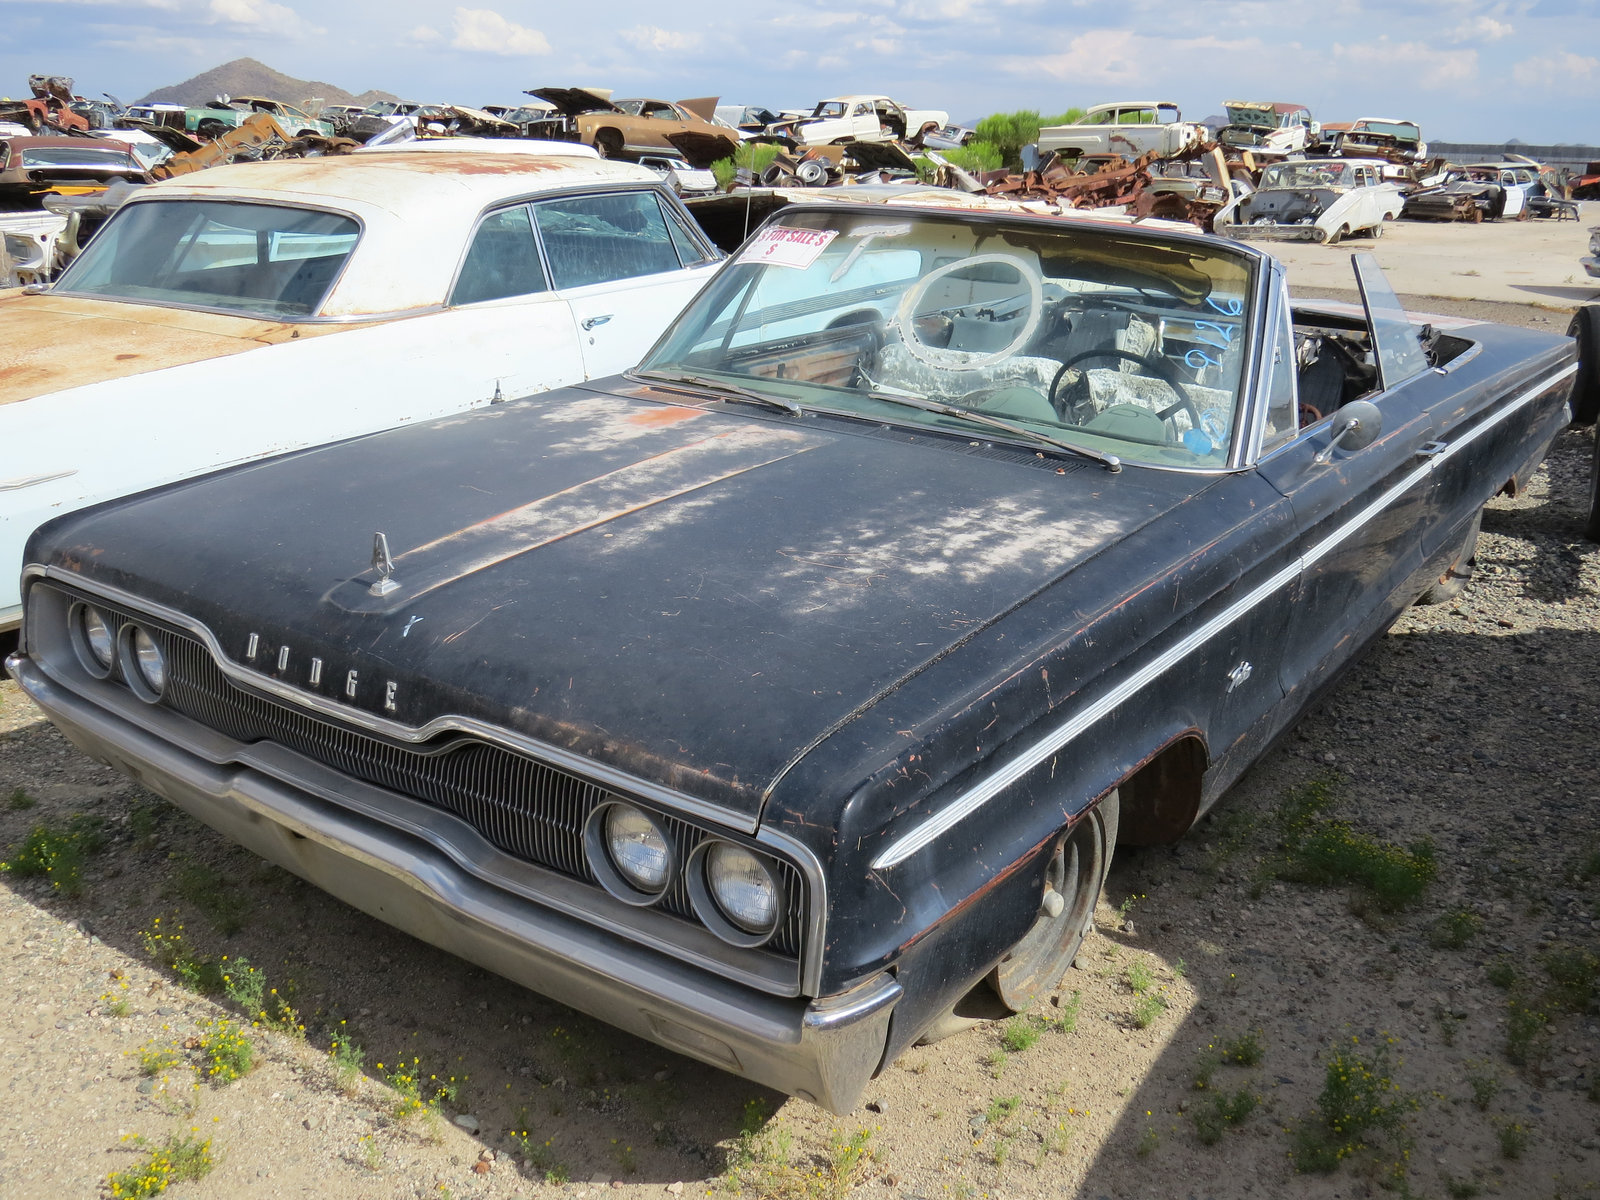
x=1513 y=1139
x=1573 y=975
x=1221 y=1111
x=1485 y=1086
x=1245 y=1050
x=1066 y=1018
x=1502 y=973
x=20 y=801
x=179 y=1159
x=347 y=1056
x=1140 y=977
x=1359 y=1103
x=1019 y=1034
x=1148 y=1141
x=58 y=852
x=1527 y=1033
x=1456 y=930
x=1147 y=1008
x=1461 y=1189
x=226 y=1052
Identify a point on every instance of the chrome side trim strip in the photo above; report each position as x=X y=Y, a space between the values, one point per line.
x=1058 y=738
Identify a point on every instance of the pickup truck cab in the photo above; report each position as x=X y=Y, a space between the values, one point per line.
x=1268 y=127
x=862 y=119
x=1130 y=128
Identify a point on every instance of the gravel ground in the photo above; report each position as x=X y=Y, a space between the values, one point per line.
x=1466 y=725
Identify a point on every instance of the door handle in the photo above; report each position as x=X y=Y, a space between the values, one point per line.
x=1432 y=449
x=591 y=322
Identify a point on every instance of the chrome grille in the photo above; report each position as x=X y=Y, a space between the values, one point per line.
x=529 y=809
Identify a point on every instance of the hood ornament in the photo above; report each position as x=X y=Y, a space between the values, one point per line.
x=383 y=567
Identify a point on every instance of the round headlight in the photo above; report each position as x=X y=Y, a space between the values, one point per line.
x=97 y=636
x=638 y=850
x=148 y=661
x=743 y=887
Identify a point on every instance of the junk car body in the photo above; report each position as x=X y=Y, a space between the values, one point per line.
x=618 y=128
x=861 y=119
x=780 y=698
x=366 y=290
x=1269 y=127
x=1383 y=137
x=1129 y=128
x=1591 y=263
x=33 y=166
x=1319 y=199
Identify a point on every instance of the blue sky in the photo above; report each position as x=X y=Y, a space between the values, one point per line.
x=1467 y=71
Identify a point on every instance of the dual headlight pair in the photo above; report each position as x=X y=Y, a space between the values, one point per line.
x=103 y=645
x=736 y=893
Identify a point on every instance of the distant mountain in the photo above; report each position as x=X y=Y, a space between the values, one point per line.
x=247 y=77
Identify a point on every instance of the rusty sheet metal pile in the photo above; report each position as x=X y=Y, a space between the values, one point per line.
x=1135 y=185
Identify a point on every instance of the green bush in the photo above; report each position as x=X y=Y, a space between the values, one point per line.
x=1008 y=133
x=975 y=156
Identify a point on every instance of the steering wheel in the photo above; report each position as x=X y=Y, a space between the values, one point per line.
x=1159 y=367
x=904 y=320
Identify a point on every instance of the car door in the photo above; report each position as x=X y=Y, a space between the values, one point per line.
x=1516 y=197
x=625 y=263
x=1365 y=515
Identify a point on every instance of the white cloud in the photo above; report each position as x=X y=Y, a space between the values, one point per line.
x=650 y=37
x=1430 y=68
x=1482 y=29
x=1561 y=70
x=262 y=16
x=1123 y=58
x=484 y=31
x=424 y=35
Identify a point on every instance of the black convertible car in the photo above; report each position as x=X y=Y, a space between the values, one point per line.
x=782 y=700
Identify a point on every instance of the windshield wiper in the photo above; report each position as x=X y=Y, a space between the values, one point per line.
x=732 y=389
x=1110 y=461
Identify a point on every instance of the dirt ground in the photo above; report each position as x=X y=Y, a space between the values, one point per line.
x=1467 y=726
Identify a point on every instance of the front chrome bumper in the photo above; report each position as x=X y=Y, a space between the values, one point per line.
x=824 y=1051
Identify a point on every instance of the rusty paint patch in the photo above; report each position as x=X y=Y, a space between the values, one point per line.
x=664 y=416
x=126 y=357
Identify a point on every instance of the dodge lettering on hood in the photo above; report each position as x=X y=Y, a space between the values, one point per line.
x=783 y=699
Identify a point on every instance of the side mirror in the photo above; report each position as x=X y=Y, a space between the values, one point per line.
x=1355 y=427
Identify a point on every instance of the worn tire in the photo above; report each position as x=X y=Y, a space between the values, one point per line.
x=1585 y=327
x=608 y=142
x=1592 y=529
x=1078 y=871
x=1453 y=581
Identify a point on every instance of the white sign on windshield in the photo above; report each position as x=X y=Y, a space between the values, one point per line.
x=785 y=247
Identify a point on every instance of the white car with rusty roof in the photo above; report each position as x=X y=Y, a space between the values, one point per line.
x=254 y=309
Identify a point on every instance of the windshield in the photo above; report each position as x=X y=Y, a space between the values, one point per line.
x=1395 y=129
x=1322 y=172
x=255 y=259
x=829 y=108
x=1257 y=117
x=74 y=156
x=1121 y=342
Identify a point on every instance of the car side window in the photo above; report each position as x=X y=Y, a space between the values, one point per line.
x=689 y=251
x=502 y=261
x=596 y=239
x=1283 y=401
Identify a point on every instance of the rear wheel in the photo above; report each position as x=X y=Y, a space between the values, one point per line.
x=609 y=143
x=1586 y=387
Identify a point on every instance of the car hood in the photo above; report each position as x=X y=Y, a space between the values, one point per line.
x=51 y=343
x=695 y=596
x=573 y=102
